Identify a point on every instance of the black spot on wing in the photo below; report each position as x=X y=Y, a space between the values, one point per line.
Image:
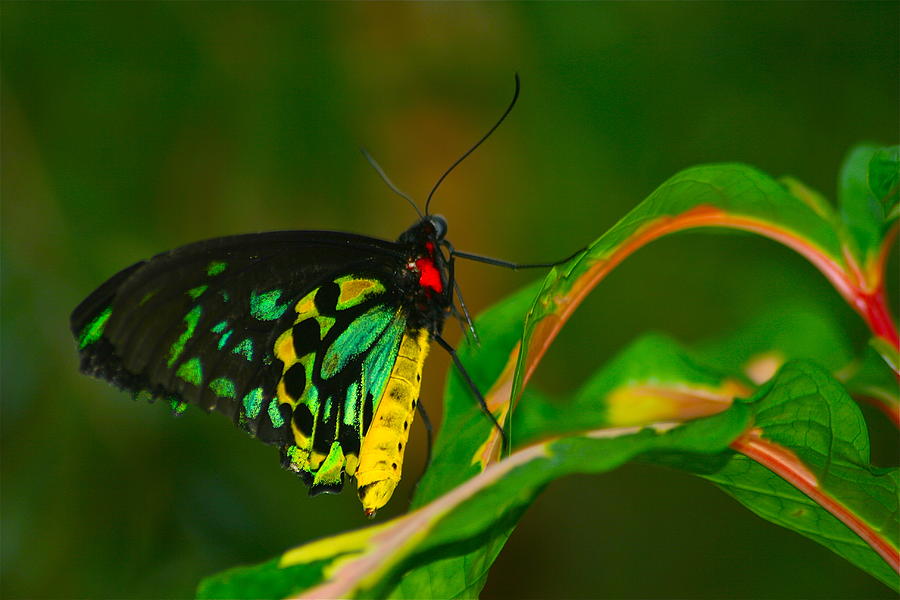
x=327 y=297
x=306 y=477
x=326 y=431
x=295 y=381
x=306 y=335
x=303 y=419
x=349 y=439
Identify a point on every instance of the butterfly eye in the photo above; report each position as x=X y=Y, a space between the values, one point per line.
x=440 y=226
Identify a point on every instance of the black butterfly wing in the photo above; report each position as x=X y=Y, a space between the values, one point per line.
x=197 y=325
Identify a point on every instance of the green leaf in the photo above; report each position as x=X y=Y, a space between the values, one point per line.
x=790 y=331
x=446 y=547
x=466 y=426
x=266 y=580
x=654 y=379
x=464 y=512
x=465 y=430
x=367 y=563
x=862 y=210
x=807 y=330
x=719 y=196
x=452 y=552
x=804 y=411
x=816 y=437
x=884 y=177
x=630 y=390
x=811 y=198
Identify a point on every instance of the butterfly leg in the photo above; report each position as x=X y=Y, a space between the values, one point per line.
x=462 y=370
x=454 y=287
x=429 y=430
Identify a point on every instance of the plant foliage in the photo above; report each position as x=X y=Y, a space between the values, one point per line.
x=767 y=414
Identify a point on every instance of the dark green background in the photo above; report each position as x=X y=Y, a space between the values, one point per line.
x=131 y=128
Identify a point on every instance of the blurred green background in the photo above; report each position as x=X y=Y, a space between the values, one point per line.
x=131 y=128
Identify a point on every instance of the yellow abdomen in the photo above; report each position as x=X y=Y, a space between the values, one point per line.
x=381 y=454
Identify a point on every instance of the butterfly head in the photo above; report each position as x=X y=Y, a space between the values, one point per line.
x=425 y=258
x=438 y=224
x=430 y=228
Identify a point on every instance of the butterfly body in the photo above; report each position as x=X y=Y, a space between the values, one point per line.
x=311 y=341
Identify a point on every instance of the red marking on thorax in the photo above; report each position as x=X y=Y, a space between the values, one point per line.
x=429 y=276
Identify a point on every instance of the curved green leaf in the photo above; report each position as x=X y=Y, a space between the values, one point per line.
x=462 y=438
x=717 y=196
x=653 y=379
x=447 y=546
x=805 y=466
x=466 y=426
x=367 y=563
x=467 y=504
x=806 y=330
x=720 y=196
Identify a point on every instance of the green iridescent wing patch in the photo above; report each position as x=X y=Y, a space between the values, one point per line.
x=290 y=334
x=336 y=360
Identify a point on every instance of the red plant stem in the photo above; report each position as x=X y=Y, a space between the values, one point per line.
x=848 y=281
x=879 y=318
x=786 y=465
x=878 y=314
x=697 y=217
x=870 y=299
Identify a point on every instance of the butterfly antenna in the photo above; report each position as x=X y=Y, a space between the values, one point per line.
x=388 y=182
x=478 y=143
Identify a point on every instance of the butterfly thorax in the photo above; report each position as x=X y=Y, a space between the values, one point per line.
x=424 y=280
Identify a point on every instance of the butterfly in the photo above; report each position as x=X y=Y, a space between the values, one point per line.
x=313 y=341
